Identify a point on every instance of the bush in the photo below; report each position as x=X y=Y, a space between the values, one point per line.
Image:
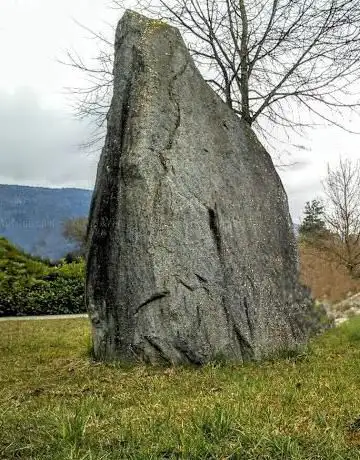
x=29 y=286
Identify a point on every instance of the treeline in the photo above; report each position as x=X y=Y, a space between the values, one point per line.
x=32 y=286
x=333 y=226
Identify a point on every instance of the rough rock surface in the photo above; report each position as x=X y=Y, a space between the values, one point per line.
x=192 y=255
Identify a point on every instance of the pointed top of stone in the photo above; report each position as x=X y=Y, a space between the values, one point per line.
x=136 y=21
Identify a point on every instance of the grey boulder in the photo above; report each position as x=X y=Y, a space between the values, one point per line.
x=192 y=255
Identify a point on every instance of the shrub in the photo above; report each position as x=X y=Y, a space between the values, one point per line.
x=29 y=286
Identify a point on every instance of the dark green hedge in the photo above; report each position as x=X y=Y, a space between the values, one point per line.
x=29 y=286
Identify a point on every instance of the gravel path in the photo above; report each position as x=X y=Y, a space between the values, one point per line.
x=28 y=318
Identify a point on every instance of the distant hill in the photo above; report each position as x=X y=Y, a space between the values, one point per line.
x=32 y=217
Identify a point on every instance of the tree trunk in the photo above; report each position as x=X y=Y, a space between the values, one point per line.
x=244 y=78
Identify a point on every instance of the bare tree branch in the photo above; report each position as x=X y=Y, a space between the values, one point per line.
x=342 y=188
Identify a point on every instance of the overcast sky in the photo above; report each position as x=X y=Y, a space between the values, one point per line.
x=39 y=137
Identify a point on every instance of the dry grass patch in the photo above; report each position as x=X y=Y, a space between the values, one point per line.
x=57 y=404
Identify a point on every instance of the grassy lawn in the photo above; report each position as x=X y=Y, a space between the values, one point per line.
x=57 y=404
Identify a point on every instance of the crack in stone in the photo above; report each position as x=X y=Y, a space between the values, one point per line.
x=245 y=346
x=198 y=316
x=248 y=319
x=215 y=230
x=177 y=103
x=200 y=278
x=203 y=283
x=172 y=134
x=156 y=296
x=190 y=288
x=157 y=347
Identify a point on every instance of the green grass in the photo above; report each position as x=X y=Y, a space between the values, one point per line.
x=57 y=404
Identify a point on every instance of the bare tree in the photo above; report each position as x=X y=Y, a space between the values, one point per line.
x=286 y=64
x=342 y=214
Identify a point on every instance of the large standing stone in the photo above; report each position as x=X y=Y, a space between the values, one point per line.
x=191 y=248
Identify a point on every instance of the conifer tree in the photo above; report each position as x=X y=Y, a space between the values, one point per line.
x=313 y=224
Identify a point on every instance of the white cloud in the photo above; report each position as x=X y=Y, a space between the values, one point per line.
x=34 y=35
x=41 y=146
x=327 y=145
